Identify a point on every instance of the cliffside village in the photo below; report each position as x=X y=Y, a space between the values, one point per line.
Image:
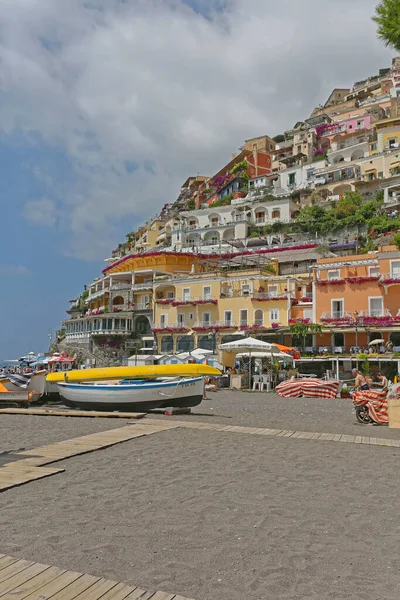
x=226 y=259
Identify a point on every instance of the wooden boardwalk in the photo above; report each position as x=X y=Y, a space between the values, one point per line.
x=26 y=580
x=54 y=412
x=32 y=463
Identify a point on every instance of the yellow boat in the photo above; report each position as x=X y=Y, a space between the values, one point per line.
x=142 y=372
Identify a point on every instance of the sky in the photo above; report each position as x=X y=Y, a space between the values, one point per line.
x=107 y=106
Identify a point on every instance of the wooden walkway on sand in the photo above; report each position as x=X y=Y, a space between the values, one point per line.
x=54 y=412
x=32 y=463
x=27 y=580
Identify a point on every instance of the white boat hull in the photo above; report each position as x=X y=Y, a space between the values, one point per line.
x=36 y=384
x=136 y=396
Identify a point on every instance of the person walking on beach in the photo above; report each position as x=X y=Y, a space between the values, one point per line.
x=360 y=381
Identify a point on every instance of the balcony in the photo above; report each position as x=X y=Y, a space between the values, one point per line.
x=120 y=286
x=193 y=301
x=338 y=317
x=97 y=294
x=142 y=307
x=146 y=285
x=216 y=325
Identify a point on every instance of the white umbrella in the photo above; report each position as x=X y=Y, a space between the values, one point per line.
x=249 y=344
x=376 y=342
x=279 y=355
x=202 y=351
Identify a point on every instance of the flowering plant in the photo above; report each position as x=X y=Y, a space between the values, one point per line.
x=164 y=300
x=306 y=299
x=294 y=321
x=390 y=281
x=275 y=325
x=270 y=298
x=294 y=301
x=362 y=279
x=325 y=282
x=182 y=302
x=170 y=329
x=206 y=301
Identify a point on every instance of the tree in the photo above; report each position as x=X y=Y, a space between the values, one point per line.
x=396 y=240
x=279 y=138
x=301 y=330
x=387 y=17
x=348 y=205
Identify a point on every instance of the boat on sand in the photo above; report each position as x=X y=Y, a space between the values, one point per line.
x=139 y=372
x=133 y=395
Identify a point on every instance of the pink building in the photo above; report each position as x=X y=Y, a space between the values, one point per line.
x=353 y=125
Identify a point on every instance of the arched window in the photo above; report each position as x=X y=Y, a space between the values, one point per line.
x=167 y=343
x=185 y=343
x=276 y=213
x=118 y=300
x=259 y=317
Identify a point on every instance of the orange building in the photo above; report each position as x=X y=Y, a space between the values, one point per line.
x=357 y=299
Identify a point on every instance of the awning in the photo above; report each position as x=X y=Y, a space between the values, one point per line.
x=394 y=165
x=370 y=171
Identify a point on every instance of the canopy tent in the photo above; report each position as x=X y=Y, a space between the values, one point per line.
x=60 y=358
x=249 y=344
x=249 y=347
x=376 y=342
x=278 y=356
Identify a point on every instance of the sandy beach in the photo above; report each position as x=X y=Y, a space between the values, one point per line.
x=269 y=410
x=218 y=515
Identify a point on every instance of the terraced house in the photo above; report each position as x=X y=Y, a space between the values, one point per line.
x=357 y=299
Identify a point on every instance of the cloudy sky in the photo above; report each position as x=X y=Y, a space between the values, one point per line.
x=106 y=106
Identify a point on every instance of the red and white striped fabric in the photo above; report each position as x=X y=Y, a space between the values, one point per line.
x=377 y=404
x=309 y=388
x=290 y=389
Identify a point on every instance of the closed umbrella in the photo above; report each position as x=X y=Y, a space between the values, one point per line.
x=376 y=342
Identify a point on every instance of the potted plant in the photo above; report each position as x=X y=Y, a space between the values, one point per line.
x=345 y=392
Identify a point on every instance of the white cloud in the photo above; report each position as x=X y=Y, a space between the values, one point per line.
x=14 y=270
x=42 y=212
x=154 y=84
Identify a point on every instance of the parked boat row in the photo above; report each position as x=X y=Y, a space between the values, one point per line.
x=117 y=388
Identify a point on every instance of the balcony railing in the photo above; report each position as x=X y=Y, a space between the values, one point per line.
x=120 y=286
x=214 y=325
x=143 y=307
x=146 y=285
x=337 y=315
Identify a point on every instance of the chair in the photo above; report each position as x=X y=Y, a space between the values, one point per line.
x=257 y=381
x=266 y=382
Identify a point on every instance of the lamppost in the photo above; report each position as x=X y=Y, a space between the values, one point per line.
x=356 y=314
x=213 y=336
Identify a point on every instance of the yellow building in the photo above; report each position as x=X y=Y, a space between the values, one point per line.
x=223 y=297
x=388 y=134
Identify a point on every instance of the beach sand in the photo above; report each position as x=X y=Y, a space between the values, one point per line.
x=218 y=515
x=28 y=431
x=269 y=410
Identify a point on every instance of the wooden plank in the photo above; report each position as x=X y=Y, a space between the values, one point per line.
x=162 y=596
x=6 y=561
x=54 y=586
x=97 y=590
x=71 y=413
x=23 y=588
x=139 y=594
x=14 y=569
x=82 y=584
x=23 y=574
x=119 y=592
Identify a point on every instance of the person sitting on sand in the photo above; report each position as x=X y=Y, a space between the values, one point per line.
x=360 y=381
